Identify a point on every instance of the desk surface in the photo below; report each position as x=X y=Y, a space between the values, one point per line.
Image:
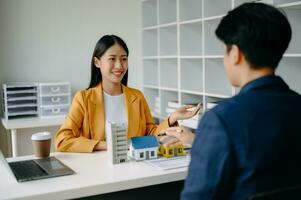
x=29 y=122
x=94 y=175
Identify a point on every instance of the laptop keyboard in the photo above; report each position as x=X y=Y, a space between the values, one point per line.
x=27 y=169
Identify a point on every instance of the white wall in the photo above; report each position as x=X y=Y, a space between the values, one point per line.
x=53 y=40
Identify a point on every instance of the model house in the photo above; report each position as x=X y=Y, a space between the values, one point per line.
x=142 y=148
x=169 y=152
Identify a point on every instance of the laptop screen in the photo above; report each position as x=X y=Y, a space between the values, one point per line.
x=34 y=169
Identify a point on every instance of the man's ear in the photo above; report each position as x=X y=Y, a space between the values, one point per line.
x=235 y=54
x=96 y=62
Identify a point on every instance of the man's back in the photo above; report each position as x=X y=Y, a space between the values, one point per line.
x=254 y=139
x=264 y=124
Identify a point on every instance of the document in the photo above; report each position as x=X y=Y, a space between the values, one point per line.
x=170 y=163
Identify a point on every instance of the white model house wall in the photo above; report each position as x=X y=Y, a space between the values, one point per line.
x=143 y=154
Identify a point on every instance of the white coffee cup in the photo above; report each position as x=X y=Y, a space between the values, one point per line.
x=41 y=144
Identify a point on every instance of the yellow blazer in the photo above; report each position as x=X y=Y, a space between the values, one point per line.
x=84 y=125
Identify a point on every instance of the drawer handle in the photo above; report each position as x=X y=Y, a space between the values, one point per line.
x=55 y=110
x=55 y=99
x=55 y=89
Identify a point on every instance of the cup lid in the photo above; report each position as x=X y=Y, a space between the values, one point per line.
x=41 y=136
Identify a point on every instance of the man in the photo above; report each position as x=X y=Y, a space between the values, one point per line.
x=251 y=142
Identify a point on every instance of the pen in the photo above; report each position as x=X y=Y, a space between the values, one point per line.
x=164 y=133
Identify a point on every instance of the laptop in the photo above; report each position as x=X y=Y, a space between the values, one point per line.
x=35 y=169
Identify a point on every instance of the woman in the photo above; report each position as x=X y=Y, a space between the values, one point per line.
x=109 y=99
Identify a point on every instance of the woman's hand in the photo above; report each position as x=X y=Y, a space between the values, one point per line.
x=181 y=135
x=184 y=112
x=100 y=146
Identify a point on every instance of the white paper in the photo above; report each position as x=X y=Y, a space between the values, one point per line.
x=170 y=163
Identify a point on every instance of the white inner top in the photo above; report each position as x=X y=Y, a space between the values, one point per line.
x=114 y=108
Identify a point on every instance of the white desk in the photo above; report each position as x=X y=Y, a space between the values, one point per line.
x=31 y=122
x=94 y=175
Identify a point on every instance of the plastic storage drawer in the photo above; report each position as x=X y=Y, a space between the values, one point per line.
x=54 y=89
x=55 y=100
x=51 y=111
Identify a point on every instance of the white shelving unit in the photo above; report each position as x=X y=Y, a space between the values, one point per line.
x=191 y=47
x=288 y=67
x=183 y=59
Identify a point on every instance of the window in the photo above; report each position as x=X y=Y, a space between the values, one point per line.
x=141 y=154
x=180 y=150
x=152 y=153
x=170 y=151
x=122 y=160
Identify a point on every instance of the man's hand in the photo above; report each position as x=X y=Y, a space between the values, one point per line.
x=182 y=136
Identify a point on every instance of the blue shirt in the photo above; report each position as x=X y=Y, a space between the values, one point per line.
x=247 y=144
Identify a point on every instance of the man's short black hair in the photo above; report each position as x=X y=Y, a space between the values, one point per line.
x=261 y=32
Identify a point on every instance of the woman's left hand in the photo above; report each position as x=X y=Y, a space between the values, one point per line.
x=184 y=112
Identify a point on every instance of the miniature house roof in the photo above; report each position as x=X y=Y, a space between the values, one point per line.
x=144 y=142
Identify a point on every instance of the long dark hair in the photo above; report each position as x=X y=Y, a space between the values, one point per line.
x=101 y=47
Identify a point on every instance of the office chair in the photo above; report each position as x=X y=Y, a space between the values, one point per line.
x=287 y=193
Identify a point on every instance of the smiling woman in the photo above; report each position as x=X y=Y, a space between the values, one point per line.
x=108 y=99
x=113 y=66
x=112 y=53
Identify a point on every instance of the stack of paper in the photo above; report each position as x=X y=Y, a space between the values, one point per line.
x=170 y=163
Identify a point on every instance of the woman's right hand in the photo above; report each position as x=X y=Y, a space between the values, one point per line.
x=100 y=146
x=184 y=112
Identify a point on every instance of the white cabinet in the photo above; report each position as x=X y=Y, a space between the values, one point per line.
x=183 y=59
